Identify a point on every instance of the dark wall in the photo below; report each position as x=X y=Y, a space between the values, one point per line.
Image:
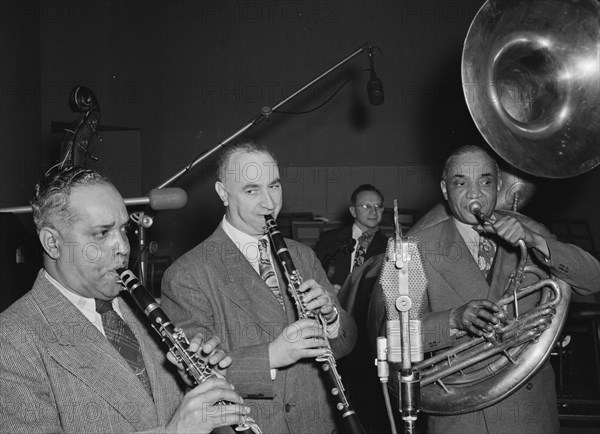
x=188 y=74
x=20 y=100
x=20 y=133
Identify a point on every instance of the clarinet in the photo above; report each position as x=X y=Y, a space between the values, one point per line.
x=195 y=365
x=351 y=423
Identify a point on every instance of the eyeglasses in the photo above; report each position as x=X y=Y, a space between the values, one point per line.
x=377 y=207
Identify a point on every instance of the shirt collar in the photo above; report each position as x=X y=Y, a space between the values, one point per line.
x=247 y=244
x=356 y=231
x=85 y=305
x=80 y=302
x=466 y=230
x=469 y=235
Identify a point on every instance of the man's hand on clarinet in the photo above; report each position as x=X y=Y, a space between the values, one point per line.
x=316 y=299
x=208 y=350
x=304 y=338
x=200 y=413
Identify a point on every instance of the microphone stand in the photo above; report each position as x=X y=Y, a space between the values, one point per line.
x=264 y=114
x=408 y=378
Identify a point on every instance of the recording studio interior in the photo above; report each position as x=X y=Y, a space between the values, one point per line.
x=173 y=83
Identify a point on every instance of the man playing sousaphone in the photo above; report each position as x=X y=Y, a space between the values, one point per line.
x=468 y=263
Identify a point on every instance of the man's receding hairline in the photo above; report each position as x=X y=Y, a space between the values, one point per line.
x=73 y=214
x=235 y=153
x=490 y=161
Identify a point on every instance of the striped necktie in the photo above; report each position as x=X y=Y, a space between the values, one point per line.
x=267 y=272
x=122 y=338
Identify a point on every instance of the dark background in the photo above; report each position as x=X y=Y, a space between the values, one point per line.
x=185 y=75
x=180 y=76
x=174 y=78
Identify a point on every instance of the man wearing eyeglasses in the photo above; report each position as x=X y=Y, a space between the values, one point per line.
x=342 y=250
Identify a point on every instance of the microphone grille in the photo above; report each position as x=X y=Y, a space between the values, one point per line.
x=417 y=280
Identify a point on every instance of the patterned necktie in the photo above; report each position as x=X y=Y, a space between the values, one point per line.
x=363 y=244
x=122 y=338
x=487 y=251
x=267 y=272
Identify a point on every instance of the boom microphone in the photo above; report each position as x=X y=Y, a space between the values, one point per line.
x=374 y=86
x=161 y=199
x=158 y=199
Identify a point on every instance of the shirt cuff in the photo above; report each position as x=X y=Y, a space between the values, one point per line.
x=332 y=329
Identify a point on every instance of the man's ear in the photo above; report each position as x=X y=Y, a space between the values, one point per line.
x=444 y=190
x=50 y=239
x=352 y=210
x=220 y=188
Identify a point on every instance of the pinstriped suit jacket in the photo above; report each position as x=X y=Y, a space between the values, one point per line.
x=58 y=373
x=215 y=290
x=453 y=280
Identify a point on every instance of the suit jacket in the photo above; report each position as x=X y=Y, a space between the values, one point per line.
x=214 y=289
x=334 y=250
x=60 y=374
x=454 y=279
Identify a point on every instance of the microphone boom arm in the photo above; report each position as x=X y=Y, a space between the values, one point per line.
x=265 y=113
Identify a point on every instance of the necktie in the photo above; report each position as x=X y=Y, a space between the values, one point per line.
x=363 y=244
x=122 y=338
x=487 y=251
x=267 y=272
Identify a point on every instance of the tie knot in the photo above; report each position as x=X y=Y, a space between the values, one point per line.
x=479 y=229
x=263 y=247
x=103 y=306
x=365 y=237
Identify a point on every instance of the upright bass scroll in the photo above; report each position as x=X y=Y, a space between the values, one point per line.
x=351 y=423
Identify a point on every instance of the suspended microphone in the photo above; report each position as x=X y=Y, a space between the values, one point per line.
x=374 y=86
x=161 y=199
x=402 y=276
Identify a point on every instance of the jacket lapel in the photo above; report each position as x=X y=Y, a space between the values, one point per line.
x=343 y=256
x=505 y=263
x=78 y=346
x=458 y=267
x=247 y=289
x=377 y=246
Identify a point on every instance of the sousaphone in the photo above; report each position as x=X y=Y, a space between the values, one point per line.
x=530 y=73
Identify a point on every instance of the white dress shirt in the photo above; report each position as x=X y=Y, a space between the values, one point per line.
x=86 y=305
x=470 y=236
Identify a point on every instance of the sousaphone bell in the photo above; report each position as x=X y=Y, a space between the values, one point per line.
x=530 y=73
